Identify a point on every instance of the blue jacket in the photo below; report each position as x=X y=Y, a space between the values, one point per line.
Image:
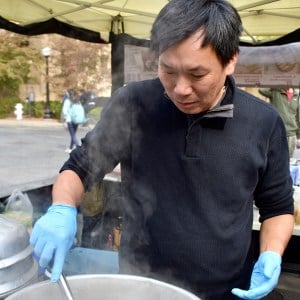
x=67 y=110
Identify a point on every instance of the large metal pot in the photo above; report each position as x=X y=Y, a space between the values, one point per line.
x=105 y=287
x=17 y=266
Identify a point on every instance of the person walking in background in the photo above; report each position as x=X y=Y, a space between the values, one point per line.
x=69 y=100
x=195 y=152
x=65 y=96
x=31 y=102
x=286 y=101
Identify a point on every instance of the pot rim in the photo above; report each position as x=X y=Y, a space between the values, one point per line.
x=119 y=277
x=6 y=262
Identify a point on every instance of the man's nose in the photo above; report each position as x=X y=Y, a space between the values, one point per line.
x=183 y=86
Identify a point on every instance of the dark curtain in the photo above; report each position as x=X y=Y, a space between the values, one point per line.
x=53 y=26
x=292 y=37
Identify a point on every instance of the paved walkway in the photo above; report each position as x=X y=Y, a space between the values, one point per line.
x=32 y=152
x=33 y=122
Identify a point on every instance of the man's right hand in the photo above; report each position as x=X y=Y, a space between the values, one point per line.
x=53 y=235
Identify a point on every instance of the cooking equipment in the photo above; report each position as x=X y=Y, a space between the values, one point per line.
x=17 y=266
x=63 y=284
x=65 y=287
x=105 y=287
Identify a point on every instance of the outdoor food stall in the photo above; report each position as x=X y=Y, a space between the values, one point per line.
x=100 y=221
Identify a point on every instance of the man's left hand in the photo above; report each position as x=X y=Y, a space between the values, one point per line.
x=264 y=277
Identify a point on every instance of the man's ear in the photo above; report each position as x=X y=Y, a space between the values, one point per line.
x=230 y=67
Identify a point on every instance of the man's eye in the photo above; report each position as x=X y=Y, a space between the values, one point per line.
x=197 y=76
x=169 y=72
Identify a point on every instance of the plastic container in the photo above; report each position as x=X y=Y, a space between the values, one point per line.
x=19 y=207
x=294 y=171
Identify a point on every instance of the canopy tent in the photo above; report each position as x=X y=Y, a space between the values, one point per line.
x=128 y=22
x=93 y=20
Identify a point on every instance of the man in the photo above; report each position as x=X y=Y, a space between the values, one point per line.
x=194 y=152
x=286 y=101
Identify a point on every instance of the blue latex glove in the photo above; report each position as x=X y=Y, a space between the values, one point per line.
x=264 y=277
x=53 y=235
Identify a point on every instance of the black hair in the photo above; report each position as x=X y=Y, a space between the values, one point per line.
x=73 y=96
x=179 y=19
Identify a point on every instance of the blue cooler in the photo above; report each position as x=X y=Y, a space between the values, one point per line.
x=91 y=261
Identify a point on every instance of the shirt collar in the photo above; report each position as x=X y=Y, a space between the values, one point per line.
x=224 y=108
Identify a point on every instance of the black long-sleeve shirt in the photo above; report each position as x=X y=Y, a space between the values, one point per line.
x=189 y=183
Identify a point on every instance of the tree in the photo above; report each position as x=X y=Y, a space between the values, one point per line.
x=15 y=63
x=82 y=65
x=73 y=64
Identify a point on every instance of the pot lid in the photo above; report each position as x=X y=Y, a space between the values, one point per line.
x=14 y=240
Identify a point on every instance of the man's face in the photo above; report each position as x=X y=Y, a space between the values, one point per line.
x=193 y=77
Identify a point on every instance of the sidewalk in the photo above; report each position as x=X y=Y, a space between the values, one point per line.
x=40 y=122
x=32 y=152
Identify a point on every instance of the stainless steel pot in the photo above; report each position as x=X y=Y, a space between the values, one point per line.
x=105 y=287
x=17 y=266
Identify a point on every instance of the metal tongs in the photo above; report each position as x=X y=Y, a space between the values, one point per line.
x=63 y=284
